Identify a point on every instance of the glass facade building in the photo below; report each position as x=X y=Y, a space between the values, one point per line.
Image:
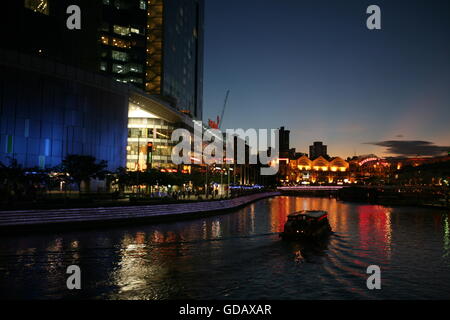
x=151 y=122
x=49 y=110
x=182 y=71
x=144 y=128
x=157 y=46
x=122 y=40
x=154 y=45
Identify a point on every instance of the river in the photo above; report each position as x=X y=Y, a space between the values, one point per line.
x=240 y=256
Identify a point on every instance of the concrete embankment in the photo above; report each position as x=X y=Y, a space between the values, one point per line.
x=95 y=217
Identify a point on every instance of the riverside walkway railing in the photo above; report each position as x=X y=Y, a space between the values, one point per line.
x=97 y=216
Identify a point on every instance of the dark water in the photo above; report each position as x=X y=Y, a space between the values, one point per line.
x=239 y=256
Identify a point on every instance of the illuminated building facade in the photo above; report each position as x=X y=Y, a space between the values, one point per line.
x=49 y=110
x=150 y=127
x=151 y=122
x=157 y=46
x=47 y=115
x=305 y=171
x=122 y=40
x=149 y=143
x=40 y=6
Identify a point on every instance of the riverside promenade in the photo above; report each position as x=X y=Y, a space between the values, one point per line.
x=90 y=217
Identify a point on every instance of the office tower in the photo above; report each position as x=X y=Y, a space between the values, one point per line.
x=284 y=142
x=156 y=45
x=318 y=149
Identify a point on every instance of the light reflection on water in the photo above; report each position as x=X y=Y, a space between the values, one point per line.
x=446 y=237
x=240 y=256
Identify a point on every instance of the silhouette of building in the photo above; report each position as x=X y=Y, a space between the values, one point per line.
x=284 y=137
x=318 y=149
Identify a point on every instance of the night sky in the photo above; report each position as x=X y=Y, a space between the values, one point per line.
x=315 y=68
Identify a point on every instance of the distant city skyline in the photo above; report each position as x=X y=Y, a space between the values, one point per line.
x=314 y=67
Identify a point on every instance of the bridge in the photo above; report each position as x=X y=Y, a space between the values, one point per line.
x=310 y=190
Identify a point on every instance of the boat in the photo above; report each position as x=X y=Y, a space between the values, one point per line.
x=307 y=224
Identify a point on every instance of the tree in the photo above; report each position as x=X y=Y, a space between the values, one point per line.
x=84 y=168
x=123 y=178
x=12 y=180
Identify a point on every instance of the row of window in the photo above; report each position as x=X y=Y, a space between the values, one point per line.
x=149 y=122
x=149 y=133
x=122 y=69
x=158 y=150
x=130 y=80
x=115 y=42
x=125 y=4
x=40 y=6
x=125 y=31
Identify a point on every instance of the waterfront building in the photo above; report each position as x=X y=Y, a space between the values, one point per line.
x=156 y=46
x=136 y=58
x=49 y=110
x=150 y=126
x=305 y=170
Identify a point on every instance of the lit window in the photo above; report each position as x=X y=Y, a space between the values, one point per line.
x=142 y=5
x=104 y=40
x=103 y=66
x=123 y=31
x=40 y=6
x=118 y=68
x=135 y=80
x=134 y=30
x=120 y=43
x=121 y=56
x=120 y=80
x=133 y=67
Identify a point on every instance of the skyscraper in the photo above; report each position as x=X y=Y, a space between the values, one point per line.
x=284 y=142
x=154 y=45
x=158 y=46
x=318 y=149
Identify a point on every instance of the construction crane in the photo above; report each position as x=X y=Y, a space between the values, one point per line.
x=218 y=124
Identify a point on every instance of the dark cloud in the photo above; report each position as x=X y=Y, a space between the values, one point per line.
x=411 y=148
x=399 y=136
